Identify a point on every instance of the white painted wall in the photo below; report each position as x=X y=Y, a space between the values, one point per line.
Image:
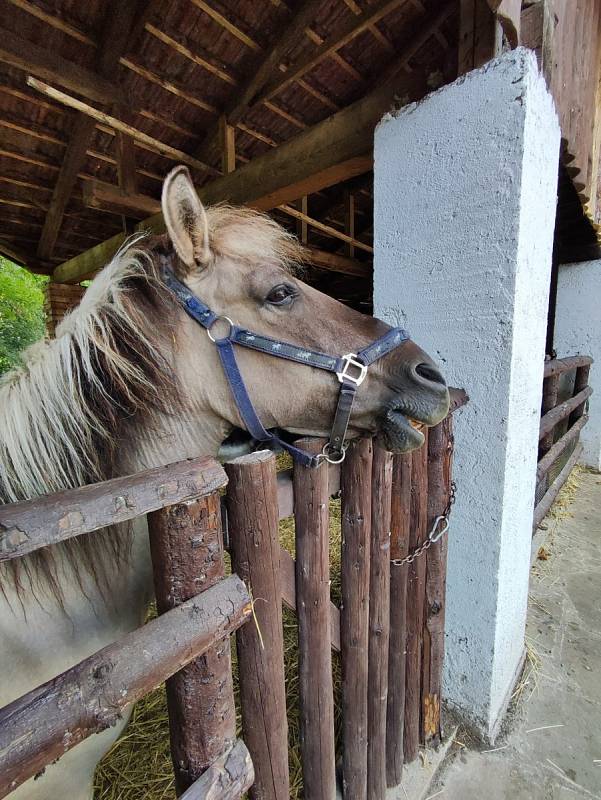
x=578 y=332
x=465 y=187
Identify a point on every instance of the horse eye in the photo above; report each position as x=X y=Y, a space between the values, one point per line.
x=281 y=295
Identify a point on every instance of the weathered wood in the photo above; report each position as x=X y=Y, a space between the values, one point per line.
x=50 y=66
x=227 y=136
x=41 y=726
x=311 y=516
x=508 y=13
x=480 y=35
x=27 y=526
x=126 y=163
x=400 y=518
x=252 y=507
x=458 y=398
x=349 y=221
x=328 y=229
x=555 y=415
x=547 y=461
x=416 y=581
x=440 y=456
x=187 y=557
x=334 y=150
x=379 y=623
x=550 y=390
x=228 y=777
x=115 y=200
x=548 y=498
x=580 y=383
x=356 y=486
x=118 y=125
x=557 y=366
x=334 y=262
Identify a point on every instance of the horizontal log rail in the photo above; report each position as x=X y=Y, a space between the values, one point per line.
x=563 y=410
x=228 y=777
x=42 y=725
x=548 y=498
x=43 y=521
x=559 y=447
x=558 y=366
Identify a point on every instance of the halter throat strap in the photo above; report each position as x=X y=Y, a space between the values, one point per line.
x=350 y=369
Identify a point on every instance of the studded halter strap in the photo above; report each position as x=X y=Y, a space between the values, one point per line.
x=350 y=370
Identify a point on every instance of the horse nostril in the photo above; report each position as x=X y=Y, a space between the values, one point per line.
x=430 y=373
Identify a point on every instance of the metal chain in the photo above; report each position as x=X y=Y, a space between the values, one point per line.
x=435 y=534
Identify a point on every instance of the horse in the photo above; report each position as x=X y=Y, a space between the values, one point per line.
x=131 y=382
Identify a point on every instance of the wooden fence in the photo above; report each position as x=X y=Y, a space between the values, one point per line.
x=389 y=629
x=565 y=395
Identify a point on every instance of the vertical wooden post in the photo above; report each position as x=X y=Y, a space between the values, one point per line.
x=252 y=507
x=227 y=135
x=349 y=221
x=302 y=229
x=580 y=383
x=356 y=490
x=397 y=648
x=187 y=555
x=126 y=163
x=440 y=454
x=311 y=516
x=416 y=579
x=480 y=35
x=550 y=390
x=379 y=623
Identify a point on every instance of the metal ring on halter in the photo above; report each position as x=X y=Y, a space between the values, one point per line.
x=221 y=318
x=326 y=457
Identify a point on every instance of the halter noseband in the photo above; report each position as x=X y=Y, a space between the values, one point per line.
x=350 y=370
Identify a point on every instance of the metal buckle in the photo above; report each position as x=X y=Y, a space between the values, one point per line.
x=350 y=360
x=325 y=454
x=220 y=318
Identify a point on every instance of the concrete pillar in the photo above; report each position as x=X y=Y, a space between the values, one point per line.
x=578 y=332
x=465 y=191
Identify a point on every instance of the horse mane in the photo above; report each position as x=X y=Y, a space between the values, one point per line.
x=68 y=409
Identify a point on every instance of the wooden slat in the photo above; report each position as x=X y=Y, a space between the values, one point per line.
x=542 y=509
x=480 y=37
x=186 y=545
x=104 y=197
x=252 y=506
x=356 y=486
x=379 y=623
x=334 y=262
x=563 y=410
x=558 y=366
x=549 y=401
x=311 y=515
x=551 y=456
x=228 y=777
x=90 y=696
x=320 y=226
x=227 y=136
x=27 y=526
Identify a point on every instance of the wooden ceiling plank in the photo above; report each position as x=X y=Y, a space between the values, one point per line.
x=197 y=56
x=118 y=125
x=347 y=32
x=320 y=226
x=168 y=85
x=49 y=66
x=333 y=262
x=227 y=25
x=55 y=22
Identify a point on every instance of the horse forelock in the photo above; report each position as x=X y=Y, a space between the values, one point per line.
x=66 y=413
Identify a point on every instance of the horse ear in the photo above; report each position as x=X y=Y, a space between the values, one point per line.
x=185 y=218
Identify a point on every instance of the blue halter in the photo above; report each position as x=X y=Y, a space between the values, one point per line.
x=350 y=370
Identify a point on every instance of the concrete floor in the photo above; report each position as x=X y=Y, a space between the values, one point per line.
x=552 y=747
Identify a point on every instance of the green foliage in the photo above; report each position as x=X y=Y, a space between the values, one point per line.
x=21 y=312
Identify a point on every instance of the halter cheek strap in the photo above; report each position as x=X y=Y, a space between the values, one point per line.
x=350 y=370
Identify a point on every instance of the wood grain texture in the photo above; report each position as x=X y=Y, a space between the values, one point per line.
x=41 y=726
x=356 y=486
x=254 y=545
x=228 y=777
x=561 y=411
x=416 y=580
x=311 y=516
x=187 y=557
x=440 y=456
x=379 y=623
x=27 y=526
x=399 y=547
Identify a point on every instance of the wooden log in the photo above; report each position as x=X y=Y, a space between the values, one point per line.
x=228 y=777
x=580 y=383
x=41 y=726
x=252 y=507
x=557 y=366
x=187 y=557
x=27 y=526
x=416 y=580
x=399 y=547
x=327 y=229
x=563 y=410
x=356 y=486
x=548 y=498
x=547 y=461
x=311 y=516
x=379 y=623
x=550 y=390
x=440 y=455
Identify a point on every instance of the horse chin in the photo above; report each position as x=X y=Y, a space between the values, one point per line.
x=400 y=434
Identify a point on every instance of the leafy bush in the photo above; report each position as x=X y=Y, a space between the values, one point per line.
x=21 y=312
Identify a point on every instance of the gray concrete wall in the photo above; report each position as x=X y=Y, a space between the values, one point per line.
x=578 y=332
x=465 y=187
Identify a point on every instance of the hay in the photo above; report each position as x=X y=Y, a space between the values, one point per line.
x=139 y=763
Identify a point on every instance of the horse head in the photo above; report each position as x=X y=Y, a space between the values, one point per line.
x=245 y=268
